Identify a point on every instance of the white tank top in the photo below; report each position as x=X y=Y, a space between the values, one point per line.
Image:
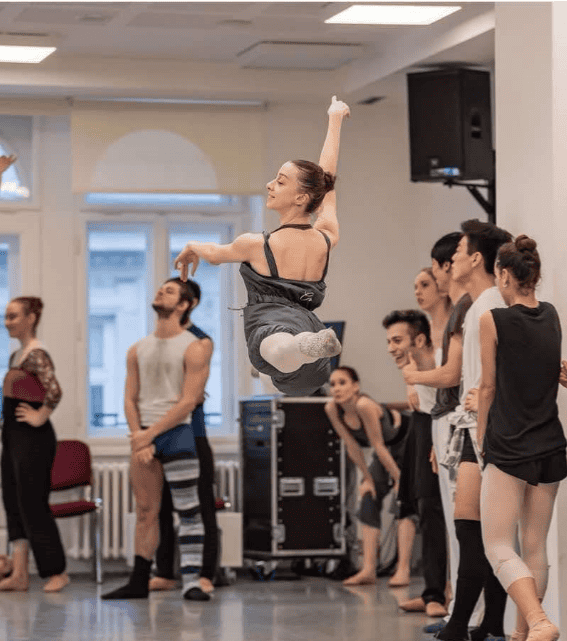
x=427 y=396
x=160 y=366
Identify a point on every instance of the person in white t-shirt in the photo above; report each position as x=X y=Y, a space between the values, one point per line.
x=473 y=268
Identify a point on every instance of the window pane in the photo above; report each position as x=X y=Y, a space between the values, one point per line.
x=8 y=265
x=208 y=316
x=12 y=188
x=118 y=311
x=186 y=200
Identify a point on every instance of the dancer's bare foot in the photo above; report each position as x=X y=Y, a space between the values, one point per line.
x=434 y=609
x=159 y=584
x=206 y=585
x=6 y=565
x=361 y=578
x=399 y=579
x=15 y=583
x=413 y=605
x=57 y=582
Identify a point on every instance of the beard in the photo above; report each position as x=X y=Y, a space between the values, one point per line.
x=161 y=311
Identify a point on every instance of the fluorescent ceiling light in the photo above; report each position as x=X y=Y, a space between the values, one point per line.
x=9 y=53
x=392 y=14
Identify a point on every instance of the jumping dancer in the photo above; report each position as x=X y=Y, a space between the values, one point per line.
x=166 y=376
x=284 y=272
x=519 y=428
x=362 y=422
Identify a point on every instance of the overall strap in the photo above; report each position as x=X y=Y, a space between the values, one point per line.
x=328 y=253
x=294 y=226
x=270 y=256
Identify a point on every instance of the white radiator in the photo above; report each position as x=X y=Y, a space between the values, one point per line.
x=112 y=485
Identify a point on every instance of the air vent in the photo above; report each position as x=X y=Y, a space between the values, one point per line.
x=371 y=100
x=313 y=56
x=25 y=34
x=94 y=18
x=235 y=23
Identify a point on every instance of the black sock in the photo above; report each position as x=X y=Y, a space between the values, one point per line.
x=137 y=586
x=470 y=579
x=494 y=605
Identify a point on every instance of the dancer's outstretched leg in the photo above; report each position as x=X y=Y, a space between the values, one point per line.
x=288 y=353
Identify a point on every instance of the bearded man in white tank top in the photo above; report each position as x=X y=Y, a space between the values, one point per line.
x=165 y=381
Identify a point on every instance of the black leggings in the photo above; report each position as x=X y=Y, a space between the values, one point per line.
x=27 y=458
x=165 y=554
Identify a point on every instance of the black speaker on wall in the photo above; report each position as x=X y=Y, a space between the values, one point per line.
x=450 y=125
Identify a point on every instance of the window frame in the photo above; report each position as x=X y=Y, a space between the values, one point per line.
x=160 y=222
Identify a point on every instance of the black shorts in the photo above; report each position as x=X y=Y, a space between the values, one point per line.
x=468 y=455
x=548 y=469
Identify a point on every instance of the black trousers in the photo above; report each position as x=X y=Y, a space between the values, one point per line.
x=165 y=555
x=419 y=494
x=27 y=458
x=434 y=548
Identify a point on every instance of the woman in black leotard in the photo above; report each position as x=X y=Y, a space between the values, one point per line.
x=284 y=272
x=362 y=422
x=521 y=434
x=30 y=394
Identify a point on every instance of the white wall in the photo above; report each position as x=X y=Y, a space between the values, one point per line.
x=388 y=225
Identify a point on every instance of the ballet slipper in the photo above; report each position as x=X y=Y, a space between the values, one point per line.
x=57 y=582
x=518 y=636
x=159 y=584
x=360 y=578
x=206 y=585
x=15 y=584
x=6 y=565
x=323 y=344
x=543 y=630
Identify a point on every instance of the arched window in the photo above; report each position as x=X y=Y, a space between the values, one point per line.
x=12 y=188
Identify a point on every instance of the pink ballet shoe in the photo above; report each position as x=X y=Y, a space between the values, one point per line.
x=518 y=636
x=543 y=630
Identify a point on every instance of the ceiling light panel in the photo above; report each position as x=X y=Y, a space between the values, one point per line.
x=10 y=53
x=392 y=14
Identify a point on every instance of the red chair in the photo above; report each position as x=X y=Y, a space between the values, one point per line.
x=72 y=468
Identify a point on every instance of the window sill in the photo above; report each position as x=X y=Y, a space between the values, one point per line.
x=120 y=447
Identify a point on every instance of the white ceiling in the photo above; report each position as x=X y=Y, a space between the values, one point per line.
x=248 y=49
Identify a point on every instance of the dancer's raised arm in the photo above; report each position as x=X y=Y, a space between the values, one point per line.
x=5 y=162
x=328 y=160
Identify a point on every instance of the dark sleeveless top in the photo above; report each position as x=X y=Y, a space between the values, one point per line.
x=285 y=291
x=390 y=433
x=523 y=422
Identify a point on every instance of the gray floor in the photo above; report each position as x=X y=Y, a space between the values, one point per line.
x=307 y=609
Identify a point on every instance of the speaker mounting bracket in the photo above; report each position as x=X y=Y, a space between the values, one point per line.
x=487 y=203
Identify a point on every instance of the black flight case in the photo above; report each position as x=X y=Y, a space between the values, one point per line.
x=293 y=479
